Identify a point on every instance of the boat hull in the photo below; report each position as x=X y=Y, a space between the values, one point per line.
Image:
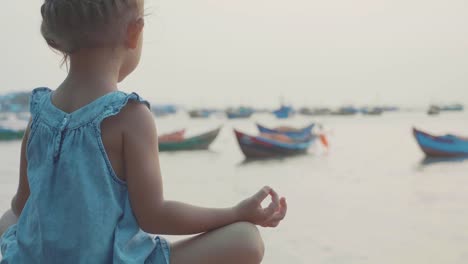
x=199 y=142
x=7 y=134
x=259 y=147
x=238 y=115
x=441 y=146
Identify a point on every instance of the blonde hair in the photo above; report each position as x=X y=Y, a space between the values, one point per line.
x=71 y=25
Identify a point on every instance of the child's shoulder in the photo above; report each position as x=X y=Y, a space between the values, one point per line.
x=135 y=112
x=135 y=115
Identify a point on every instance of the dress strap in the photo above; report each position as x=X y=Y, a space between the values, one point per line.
x=37 y=100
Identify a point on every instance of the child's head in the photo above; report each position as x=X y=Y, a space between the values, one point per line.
x=73 y=26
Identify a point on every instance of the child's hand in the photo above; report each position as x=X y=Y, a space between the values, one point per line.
x=251 y=210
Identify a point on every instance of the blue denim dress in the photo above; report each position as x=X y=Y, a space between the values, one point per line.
x=78 y=210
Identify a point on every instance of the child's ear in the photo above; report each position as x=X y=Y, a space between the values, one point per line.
x=134 y=31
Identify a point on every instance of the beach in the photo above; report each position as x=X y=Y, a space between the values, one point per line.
x=371 y=198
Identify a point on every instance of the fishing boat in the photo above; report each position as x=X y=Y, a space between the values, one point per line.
x=346 y=111
x=163 y=110
x=200 y=113
x=372 y=111
x=262 y=147
x=441 y=146
x=452 y=108
x=297 y=134
x=198 y=142
x=10 y=134
x=241 y=112
x=315 y=111
x=433 y=110
x=284 y=112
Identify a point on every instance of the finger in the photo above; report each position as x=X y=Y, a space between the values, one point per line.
x=274 y=197
x=279 y=215
x=262 y=194
x=273 y=206
x=270 y=210
x=284 y=205
x=283 y=208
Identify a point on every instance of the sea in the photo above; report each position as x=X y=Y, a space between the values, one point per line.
x=370 y=197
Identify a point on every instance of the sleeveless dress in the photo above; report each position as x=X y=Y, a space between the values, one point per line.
x=78 y=210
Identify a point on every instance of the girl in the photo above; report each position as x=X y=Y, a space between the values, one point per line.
x=90 y=188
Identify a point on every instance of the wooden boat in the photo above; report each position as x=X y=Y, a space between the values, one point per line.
x=315 y=111
x=10 y=134
x=199 y=142
x=441 y=146
x=372 y=111
x=200 y=113
x=284 y=112
x=296 y=134
x=262 y=147
x=346 y=111
x=433 y=110
x=242 y=112
x=163 y=110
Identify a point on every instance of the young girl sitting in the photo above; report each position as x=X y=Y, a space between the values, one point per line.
x=90 y=187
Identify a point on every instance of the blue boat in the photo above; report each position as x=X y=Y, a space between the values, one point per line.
x=241 y=112
x=163 y=110
x=441 y=146
x=284 y=112
x=452 y=108
x=296 y=134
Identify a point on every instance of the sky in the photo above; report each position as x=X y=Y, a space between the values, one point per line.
x=310 y=53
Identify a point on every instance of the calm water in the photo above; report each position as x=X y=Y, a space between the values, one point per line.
x=370 y=199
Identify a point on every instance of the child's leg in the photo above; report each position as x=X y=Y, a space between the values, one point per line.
x=233 y=244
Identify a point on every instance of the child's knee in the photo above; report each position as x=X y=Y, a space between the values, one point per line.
x=250 y=241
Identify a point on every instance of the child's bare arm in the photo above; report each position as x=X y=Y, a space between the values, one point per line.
x=22 y=194
x=153 y=212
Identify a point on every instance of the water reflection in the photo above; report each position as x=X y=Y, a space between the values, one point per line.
x=427 y=161
x=272 y=160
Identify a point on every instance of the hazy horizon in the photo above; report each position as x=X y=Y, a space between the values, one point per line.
x=221 y=53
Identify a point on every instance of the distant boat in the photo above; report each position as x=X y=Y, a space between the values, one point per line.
x=441 y=146
x=284 y=112
x=297 y=134
x=200 y=113
x=163 y=110
x=7 y=134
x=433 y=110
x=436 y=109
x=372 y=111
x=315 y=111
x=199 y=142
x=346 y=111
x=263 y=147
x=452 y=108
x=241 y=112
